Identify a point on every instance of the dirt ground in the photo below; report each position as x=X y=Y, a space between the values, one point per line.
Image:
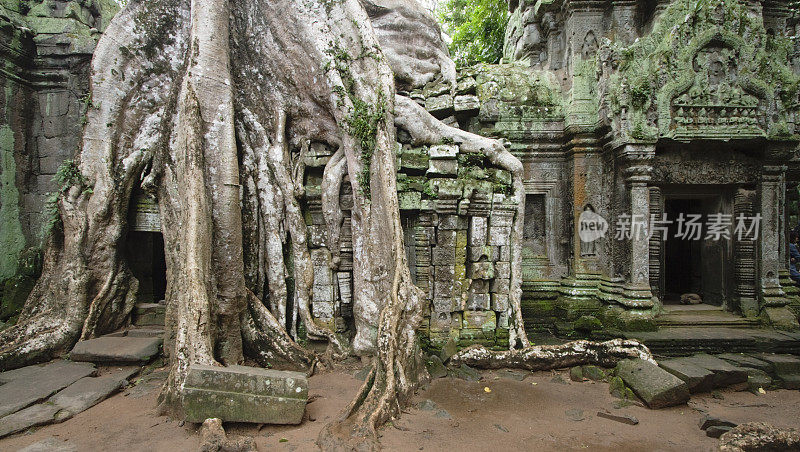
x=544 y=411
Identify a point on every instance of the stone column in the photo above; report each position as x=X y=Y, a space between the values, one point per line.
x=770 y=194
x=638 y=171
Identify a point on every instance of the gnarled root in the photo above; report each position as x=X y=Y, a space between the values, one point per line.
x=265 y=339
x=255 y=138
x=396 y=371
x=331 y=183
x=546 y=357
x=214 y=439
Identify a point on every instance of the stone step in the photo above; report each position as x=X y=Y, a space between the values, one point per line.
x=145 y=332
x=125 y=349
x=684 y=341
x=149 y=314
x=689 y=320
x=703 y=372
x=747 y=361
x=697 y=379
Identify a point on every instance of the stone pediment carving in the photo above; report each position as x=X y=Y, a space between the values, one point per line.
x=707 y=70
x=714 y=99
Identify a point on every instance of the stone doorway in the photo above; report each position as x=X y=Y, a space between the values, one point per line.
x=692 y=262
x=145 y=257
x=144 y=249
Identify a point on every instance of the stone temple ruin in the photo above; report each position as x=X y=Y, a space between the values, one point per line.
x=621 y=112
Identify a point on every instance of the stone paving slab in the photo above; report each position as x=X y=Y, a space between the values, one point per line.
x=244 y=394
x=42 y=413
x=725 y=374
x=89 y=391
x=117 y=349
x=697 y=379
x=781 y=364
x=789 y=381
x=742 y=360
x=31 y=384
x=654 y=385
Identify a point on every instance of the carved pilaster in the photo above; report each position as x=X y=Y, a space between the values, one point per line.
x=656 y=242
x=745 y=256
x=638 y=172
x=770 y=194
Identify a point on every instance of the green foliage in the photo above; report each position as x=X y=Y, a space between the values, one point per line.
x=364 y=119
x=362 y=124
x=67 y=175
x=477 y=27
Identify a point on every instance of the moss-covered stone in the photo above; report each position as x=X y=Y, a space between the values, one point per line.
x=587 y=323
x=617 y=388
x=14 y=293
x=594 y=373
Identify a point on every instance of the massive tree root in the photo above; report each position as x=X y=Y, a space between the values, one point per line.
x=547 y=357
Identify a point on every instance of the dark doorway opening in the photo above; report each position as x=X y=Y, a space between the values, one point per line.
x=145 y=257
x=683 y=260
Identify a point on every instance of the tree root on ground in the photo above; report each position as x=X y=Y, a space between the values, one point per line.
x=547 y=357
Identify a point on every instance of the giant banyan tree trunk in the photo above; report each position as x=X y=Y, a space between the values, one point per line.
x=209 y=106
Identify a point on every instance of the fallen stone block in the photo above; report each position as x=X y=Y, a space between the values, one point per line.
x=654 y=385
x=43 y=413
x=617 y=388
x=117 y=349
x=435 y=367
x=594 y=373
x=87 y=392
x=713 y=421
x=244 y=394
x=789 y=381
x=465 y=372
x=725 y=374
x=625 y=418
x=697 y=379
x=32 y=384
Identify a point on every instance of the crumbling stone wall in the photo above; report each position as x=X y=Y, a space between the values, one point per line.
x=457 y=217
x=46 y=47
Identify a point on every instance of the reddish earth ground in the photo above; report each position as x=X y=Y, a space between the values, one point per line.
x=545 y=411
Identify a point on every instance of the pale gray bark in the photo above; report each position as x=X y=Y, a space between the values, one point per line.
x=546 y=357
